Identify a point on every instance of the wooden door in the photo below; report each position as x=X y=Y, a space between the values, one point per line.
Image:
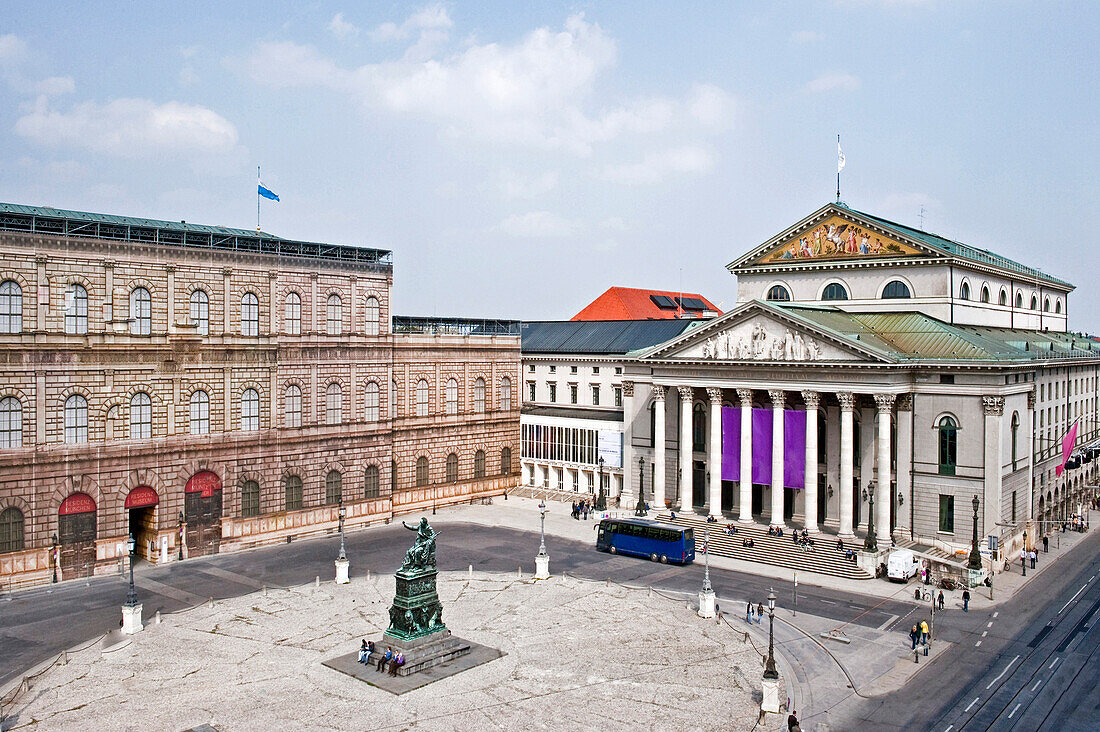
x=76 y=532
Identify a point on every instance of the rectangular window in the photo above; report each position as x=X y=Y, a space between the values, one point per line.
x=553 y=369
x=947 y=514
x=530 y=391
x=595 y=369
x=572 y=369
x=618 y=396
x=947 y=378
x=531 y=368
x=1013 y=506
x=553 y=391
x=596 y=396
x=618 y=370
x=572 y=393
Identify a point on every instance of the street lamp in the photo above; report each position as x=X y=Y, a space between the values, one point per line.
x=131 y=597
x=975 y=562
x=640 y=510
x=542 y=528
x=601 y=498
x=870 y=544
x=180 y=544
x=53 y=558
x=770 y=671
x=342 y=512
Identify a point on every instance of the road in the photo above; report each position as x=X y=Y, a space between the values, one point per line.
x=1029 y=664
x=38 y=623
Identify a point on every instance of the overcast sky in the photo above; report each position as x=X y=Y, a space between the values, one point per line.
x=520 y=158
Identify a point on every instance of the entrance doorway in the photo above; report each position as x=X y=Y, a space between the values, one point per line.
x=857 y=503
x=698 y=483
x=893 y=506
x=141 y=505
x=727 y=495
x=822 y=499
x=788 y=504
x=202 y=514
x=757 y=499
x=76 y=523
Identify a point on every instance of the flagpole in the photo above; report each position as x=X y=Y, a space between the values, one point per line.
x=837 y=171
x=258 y=194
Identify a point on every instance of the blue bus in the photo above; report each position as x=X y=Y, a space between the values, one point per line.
x=660 y=542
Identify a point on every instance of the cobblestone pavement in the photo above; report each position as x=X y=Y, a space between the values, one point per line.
x=580 y=655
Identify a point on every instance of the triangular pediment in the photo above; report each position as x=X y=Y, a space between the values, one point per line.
x=760 y=332
x=834 y=234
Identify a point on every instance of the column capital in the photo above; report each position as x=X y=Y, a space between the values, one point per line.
x=778 y=397
x=905 y=402
x=1031 y=399
x=812 y=399
x=686 y=392
x=847 y=400
x=628 y=388
x=884 y=403
x=227 y=271
x=272 y=275
x=658 y=393
x=745 y=397
x=994 y=405
x=169 y=268
x=714 y=394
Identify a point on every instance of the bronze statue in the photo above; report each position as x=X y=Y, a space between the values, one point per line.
x=421 y=555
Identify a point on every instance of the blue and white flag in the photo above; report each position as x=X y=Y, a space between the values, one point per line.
x=267 y=192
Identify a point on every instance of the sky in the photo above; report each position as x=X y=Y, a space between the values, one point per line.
x=521 y=158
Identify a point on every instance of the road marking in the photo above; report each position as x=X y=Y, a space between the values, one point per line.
x=1053 y=664
x=168 y=591
x=972 y=703
x=240 y=579
x=1014 y=710
x=985 y=633
x=996 y=614
x=828 y=602
x=989 y=624
x=977 y=644
x=888 y=622
x=1072 y=599
x=949 y=728
x=1036 y=684
x=994 y=681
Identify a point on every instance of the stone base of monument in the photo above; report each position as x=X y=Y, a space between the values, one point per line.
x=425 y=652
x=474 y=655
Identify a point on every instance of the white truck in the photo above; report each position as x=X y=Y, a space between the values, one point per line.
x=902 y=565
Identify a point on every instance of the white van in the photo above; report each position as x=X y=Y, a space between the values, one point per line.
x=902 y=565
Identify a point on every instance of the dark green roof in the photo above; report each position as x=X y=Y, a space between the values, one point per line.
x=603 y=337
x=61 y=222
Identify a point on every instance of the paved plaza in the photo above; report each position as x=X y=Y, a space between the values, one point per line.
x=579 y=655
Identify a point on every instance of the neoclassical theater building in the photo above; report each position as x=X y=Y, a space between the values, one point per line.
x=207 y=389
x=870 y=363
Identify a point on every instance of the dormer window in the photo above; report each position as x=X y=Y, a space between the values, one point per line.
x=964 y=293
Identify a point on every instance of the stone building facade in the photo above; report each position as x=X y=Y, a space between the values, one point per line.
x=208 y=389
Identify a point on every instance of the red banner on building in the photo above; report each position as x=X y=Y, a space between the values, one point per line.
x=77 y=503
x=142 y=496
x=205 y=483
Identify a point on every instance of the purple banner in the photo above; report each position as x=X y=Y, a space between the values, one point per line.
x=794 y=448
x=731 y=443
x=762 y=446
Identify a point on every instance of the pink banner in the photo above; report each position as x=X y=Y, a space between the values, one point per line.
x=1067 y=448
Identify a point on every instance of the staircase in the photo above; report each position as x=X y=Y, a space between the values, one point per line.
x=773 y=550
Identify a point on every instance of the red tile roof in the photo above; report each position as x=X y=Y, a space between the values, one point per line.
x=628 y=303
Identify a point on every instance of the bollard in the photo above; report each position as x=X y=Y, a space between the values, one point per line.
x=210 y=602
x=608 y=582
x=157 y=618
x=916 y=656
x=649 y=591
x=519 y=571
x=317 y=581
x=64 y=658
x=265 y=590
x=470 y=571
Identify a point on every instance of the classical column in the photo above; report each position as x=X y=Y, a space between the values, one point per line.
x=778 y=401
x=625 y=492
x=171 y=297
x=905 y=464
x=714 y=452
x=745 y=489
x=884 y=405
x=658 y=448
x=994 y=407
x=813 y=401
x=847 y=403
x=686 y=394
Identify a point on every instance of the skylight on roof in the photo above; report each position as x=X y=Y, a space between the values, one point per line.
x=664 y=302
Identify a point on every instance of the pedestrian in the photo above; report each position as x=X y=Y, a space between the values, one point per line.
x=370 y=650
x=924 y=632
x=363 y=652
x=397 y=662
x=1046 y=545
x=914 y=635
x=941 y=599
x=1034 y=556
x=792 y=723
x=966 y=601
x=748 y=613
x=759 y=612
x=384 y=659
x=840 y=545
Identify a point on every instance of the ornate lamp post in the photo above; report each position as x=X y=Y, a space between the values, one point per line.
x=542 y=559
x=975 y=562
x=180 y=545
x=53 y=558
x=770 y=671
x=131 y=596
x=706 y=595
x=131 y=611
x=342 y=513
x=870 y=544
x=342 y=564
x=640 y=510
x=601 y=498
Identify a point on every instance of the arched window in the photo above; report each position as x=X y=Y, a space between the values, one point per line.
x=371 y=314
x=1058 y=305
x=141 y=416
x=293 y=415
x=778 y=292
x=949 y=445
x=292 y=314
x=452 y=396
x=293 y=490
x=506 y=394
x=479 y=395
x=1002 y=299
x=834 y=291
x=76 y=309
x=334 y=412
x=370 y=482
x=76 y=419
x=370 y=401
x=964 y=291
x=1019 y=301
x=985 y=293
x=11 y=530
x=112 y=426
x=250 y=499
x=200 y=312
x=250 y=410
x=699 y=428
x=896 y=290
x=11 y=307
x=250 y=314
x=1034 y=302
x=506 y=461
x=479 y=464
x=1015 y=436
x=200 y=413
x=452 y=468
x=334 y=488
x=335 y=314
x=422 y=398
x=141 y=312
x=421 y=471
x=1046 y=305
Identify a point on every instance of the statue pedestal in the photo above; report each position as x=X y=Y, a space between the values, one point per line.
x=131 y=619
x=342 y=567
x=706 y=603
x=542 y=566
x=416 y=623
x=770 y=702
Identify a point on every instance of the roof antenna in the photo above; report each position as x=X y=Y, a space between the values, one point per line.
x=680 y=300
x=839 y=165
x=921 y=215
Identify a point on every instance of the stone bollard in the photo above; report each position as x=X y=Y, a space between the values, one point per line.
x=368 y=575
x=265 y=590
x=156 y=618
x=317 y=580
x=519 y=572
x=210 y=602
x=470 y=571
x=64 y=658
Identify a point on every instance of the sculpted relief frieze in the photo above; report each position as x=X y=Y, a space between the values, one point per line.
x=762 y=340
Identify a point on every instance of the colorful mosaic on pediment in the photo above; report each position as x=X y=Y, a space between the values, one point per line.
x=837 y=238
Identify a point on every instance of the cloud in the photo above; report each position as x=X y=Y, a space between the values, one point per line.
x=536 y=225
x=657 y=166
x=55 y=86
x=130 y=128
x=805 y=36
x=711 y=106
x=434 y=17
x=341 y=28
x=12 y=49
x=613 y=223
x=54 y=171
x=515 y=185
x=833 y=82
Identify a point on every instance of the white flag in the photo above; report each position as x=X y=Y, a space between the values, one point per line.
x=839 y=158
